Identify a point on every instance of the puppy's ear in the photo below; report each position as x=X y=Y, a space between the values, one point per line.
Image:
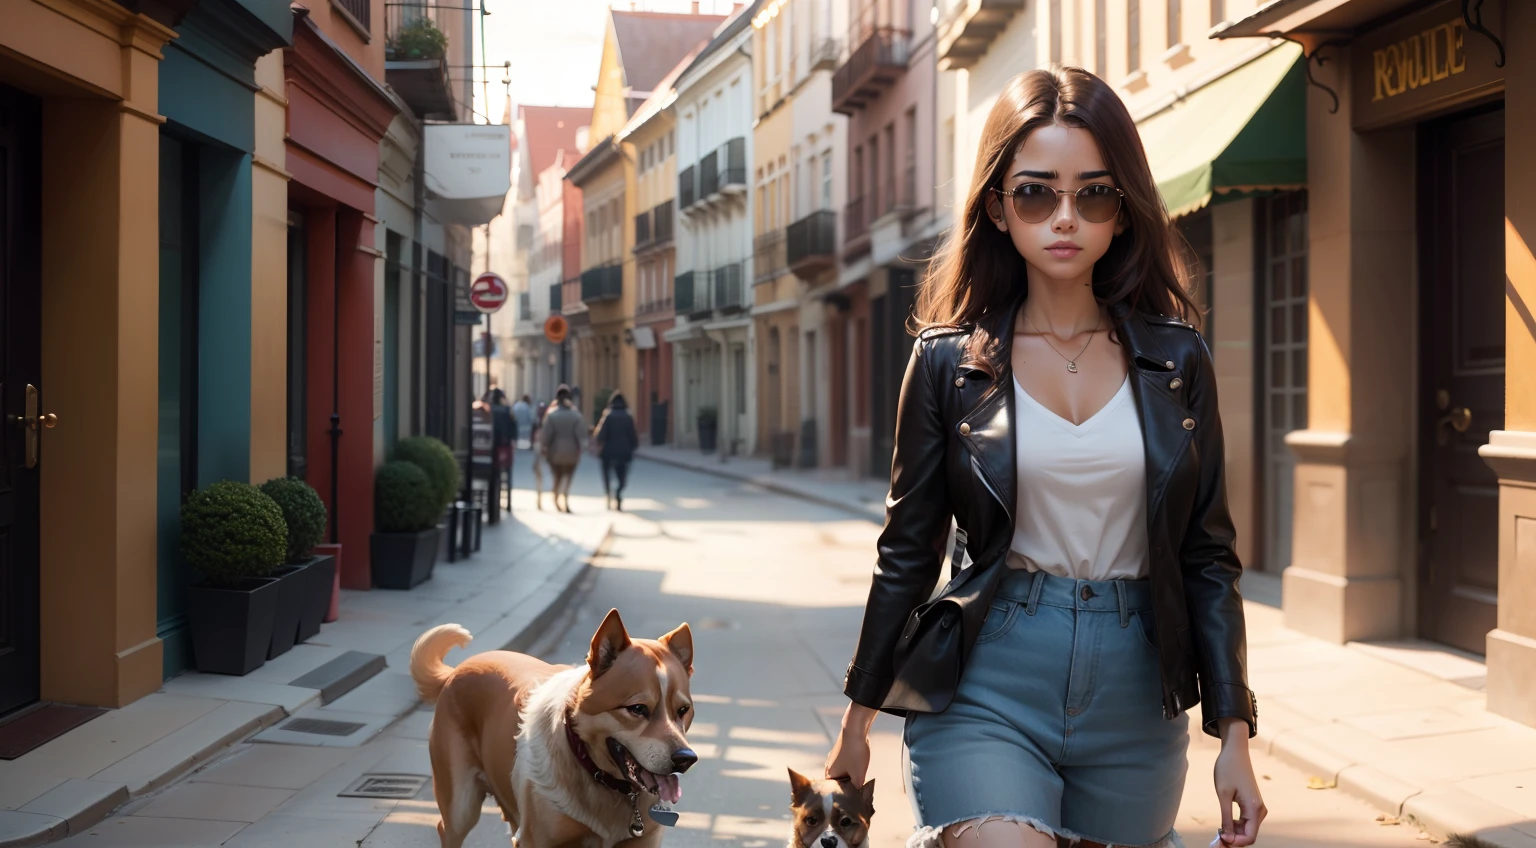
x=867 y=792
x=799 y=785
x=680 y=643
x=610 y=640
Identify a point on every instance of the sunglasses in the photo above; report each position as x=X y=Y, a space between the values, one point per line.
x=1035 y=202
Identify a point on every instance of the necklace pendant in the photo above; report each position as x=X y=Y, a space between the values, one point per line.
x=1072 y=366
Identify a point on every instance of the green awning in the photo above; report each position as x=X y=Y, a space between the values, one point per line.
x=1245 y=132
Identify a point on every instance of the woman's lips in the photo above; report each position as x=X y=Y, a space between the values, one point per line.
x=1064 y=251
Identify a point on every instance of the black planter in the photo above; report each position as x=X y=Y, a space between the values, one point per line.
x=292 y=595
x=321 y=575
x=707 y=429
x=403 y=560
x=232 y=628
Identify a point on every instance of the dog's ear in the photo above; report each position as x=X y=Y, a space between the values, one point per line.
x=680 y=643
x=608 y=642
x=867 y=792
x=799 y=785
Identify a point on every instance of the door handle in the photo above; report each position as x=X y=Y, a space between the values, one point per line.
x=32 y=424
x=1458 y=419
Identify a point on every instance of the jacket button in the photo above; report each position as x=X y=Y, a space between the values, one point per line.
x=1189 y=423
x=959 y=382
x=965 y=429
x=1175 y=383
x=1168 y=364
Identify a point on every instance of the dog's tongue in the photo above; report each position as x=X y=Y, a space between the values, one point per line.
x=669 y=788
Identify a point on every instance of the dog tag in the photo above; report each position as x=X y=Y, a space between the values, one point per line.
x=663 y=816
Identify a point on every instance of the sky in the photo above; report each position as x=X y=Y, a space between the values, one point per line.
x=554 y=47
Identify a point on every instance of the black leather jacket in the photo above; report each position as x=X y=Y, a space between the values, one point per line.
x=955 y=456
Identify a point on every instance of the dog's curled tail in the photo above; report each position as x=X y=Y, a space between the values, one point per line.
x=427 y=666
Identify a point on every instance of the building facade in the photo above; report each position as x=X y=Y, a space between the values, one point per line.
x=714 y=345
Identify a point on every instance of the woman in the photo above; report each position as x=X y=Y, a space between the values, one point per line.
x=561 y=436
x=617 y=440
x=1055 y=408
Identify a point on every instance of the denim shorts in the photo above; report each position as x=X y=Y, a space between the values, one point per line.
x=1057 y=722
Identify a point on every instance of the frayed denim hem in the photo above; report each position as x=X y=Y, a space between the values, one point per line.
x=932 y=837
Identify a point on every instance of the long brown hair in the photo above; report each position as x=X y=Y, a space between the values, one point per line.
x=978 y=278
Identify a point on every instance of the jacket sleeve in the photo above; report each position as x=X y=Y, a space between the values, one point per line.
x=1211 y=569
x=911 y=547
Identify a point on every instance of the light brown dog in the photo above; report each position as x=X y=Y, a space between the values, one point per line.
x=829 y=813
x=573 y=755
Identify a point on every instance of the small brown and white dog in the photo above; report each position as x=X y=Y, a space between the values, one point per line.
x=830 y=813
x=572 y=754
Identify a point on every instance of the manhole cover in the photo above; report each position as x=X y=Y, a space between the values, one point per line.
x=385 y=786
x=322 y=727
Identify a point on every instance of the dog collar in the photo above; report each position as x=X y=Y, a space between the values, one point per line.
x=584 y=759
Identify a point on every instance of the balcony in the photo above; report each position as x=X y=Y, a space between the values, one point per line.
x=854 y=223
x=811 y=244
x=768 y=257
x=415 y=55
x=603 y=283
x=690 y=294
x=733 y=177
x=968 y=29
x=874 y=65
x=642 y=231
x=662 y=218
x=728 y=289
x=824 y=54
x=685 y=188
x=709 y=175
x=555 y=301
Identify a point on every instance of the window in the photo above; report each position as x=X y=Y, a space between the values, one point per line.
x=909 y=167
x=1175 y=22
x=889 y=174
x=874 y=175
x=1132 y=36
x=1100 y=38
x=1056 y=32
x=826 y=179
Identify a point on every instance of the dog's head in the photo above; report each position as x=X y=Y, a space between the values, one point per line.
x=634 y=709
x=830 y=813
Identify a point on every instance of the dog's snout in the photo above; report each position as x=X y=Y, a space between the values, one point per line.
x=829 y=840
x=683 y=759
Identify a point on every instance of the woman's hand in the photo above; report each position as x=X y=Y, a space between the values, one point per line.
x=1235 y=782
x=850 y=753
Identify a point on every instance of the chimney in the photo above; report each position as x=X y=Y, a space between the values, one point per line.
x=695 y=7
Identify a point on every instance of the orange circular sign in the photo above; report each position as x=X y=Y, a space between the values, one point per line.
x=555 y=328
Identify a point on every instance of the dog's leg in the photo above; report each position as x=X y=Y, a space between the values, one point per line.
x=457 y=787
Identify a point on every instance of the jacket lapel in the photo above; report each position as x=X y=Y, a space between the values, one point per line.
x=1161 y=411
x=988 y=431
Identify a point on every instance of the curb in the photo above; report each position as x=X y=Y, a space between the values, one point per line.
x=769 y=485
x=33 y=829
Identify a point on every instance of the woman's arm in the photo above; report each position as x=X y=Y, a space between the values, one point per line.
x=911 y=547
x=1211 y=568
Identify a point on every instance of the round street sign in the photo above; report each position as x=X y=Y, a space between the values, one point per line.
x=555 y=328
x=488 y=292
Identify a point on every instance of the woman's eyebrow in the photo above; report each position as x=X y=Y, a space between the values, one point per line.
x=1092 y=175
x=1051 y=175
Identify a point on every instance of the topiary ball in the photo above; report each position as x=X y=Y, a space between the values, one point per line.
x=436 y=459
x=232 y=532
x=403 y=500
x=303 y=513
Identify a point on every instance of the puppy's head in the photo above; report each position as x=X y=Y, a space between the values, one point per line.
x=830 y=813
x=634 y=709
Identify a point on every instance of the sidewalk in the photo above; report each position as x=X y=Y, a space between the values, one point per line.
x=352 y=675
x=1401 y=725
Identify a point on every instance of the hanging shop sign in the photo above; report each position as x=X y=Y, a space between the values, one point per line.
x=556 y=328
x=467 y=171
x=1424 y=64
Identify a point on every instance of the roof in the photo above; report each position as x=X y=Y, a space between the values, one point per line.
x=662 y=96
x=551 y=129
x=742 y=20
x=650 y=44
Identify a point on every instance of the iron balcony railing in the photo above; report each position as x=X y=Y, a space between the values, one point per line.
x=686 y=185
x=812 y=240
x=874 y=64
x=709 y=175
x=686 y=292
x=605 y=282
x=728 y=288
x=662 y=217
x=734 y=174
x=642 y=229
x=412 y=30
x=854 y=224
x=768 y=256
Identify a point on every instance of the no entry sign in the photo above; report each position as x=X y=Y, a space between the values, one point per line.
x=488 y=292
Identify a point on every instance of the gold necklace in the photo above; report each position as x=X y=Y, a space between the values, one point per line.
x=1071 y=363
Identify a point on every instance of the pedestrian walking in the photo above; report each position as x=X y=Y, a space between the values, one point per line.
x=1058 y=408
x=561 y=436
x=617 y=441
x=522 y=411
x=504 y=429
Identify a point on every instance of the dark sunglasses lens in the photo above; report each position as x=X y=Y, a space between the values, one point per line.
x=1098 y=204
x=1033 y=202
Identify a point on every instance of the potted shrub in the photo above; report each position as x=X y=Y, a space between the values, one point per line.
x=708 y=425
x=417 y=39
x=436 y=460
x=234 y=536
x=403 y=547
x=304 y=514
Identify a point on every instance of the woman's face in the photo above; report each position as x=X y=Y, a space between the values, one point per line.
x=1064 y=246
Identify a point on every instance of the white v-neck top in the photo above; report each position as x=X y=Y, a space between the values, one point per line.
x=1082 y=491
